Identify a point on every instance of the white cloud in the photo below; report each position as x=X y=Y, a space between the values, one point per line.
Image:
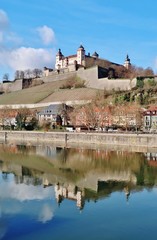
x=46 y=213
x=14 y=57
x=13 y=195
x=27 y=58
x=22 y=192
x=13 y=38
x=46 y=34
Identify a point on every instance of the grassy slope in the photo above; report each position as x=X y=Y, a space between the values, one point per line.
x=71 y=95
x=48 y=92
x=30 y=95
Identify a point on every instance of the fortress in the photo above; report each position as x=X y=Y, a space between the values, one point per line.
x=81 y=60
x=96 y=72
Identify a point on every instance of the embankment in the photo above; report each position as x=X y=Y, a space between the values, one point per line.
x=139 y=142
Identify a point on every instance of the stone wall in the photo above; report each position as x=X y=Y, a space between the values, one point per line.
x=54 y=76
x=11 y=86
x=90 y=75
x=139 y=142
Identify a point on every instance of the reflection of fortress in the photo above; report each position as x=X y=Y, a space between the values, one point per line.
x=94 y=188
x=77 y=175
x=69 y=192
x=151 y=156
x=152 y=159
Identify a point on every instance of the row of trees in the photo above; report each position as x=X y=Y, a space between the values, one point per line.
x=99 y=114
x=95 y=115
x=132 y=72
x=113 y=72
x=27 y=74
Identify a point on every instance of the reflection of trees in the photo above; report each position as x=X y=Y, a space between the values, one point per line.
x=86 y=160
x=111 y=168
x=106 y=188
x=147 y=175
x=5 y=176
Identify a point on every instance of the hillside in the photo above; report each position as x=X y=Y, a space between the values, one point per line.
x=47 y=92
x=144 y=93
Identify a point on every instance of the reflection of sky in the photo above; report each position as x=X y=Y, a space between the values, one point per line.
x=22 y=192
x=33 y=202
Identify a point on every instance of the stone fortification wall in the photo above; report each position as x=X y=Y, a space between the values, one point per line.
x=16 y=85
x=54 y=76
x=5 y=87
x=144 y=141
x=90 y=75
x=112 y=84
x=11 y=86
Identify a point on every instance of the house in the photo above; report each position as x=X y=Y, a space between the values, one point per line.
x=105 y=117
x=127 y=117
x=8 y=118
x=56 y=114
x=150 y=118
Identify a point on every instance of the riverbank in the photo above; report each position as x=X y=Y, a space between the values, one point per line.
x=113 y=140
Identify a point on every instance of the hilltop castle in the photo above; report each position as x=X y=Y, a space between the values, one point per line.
x=96 y=72
x=80 y=59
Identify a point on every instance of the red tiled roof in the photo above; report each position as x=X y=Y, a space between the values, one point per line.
x=152 y=108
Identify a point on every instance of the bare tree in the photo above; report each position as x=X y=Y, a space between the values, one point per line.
x=27 y=73
x=19 y=74
x=37 y=73
x=6 y=77
x=7 y=115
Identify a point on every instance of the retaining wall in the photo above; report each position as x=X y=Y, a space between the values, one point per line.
x=129 y=140
x=90 y=75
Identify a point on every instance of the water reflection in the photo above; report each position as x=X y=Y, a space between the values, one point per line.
x=81 y=175
x=49 y=186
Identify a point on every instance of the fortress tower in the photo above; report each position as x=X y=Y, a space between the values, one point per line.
x=59 y=57
x=81 y=55
x=127 y=63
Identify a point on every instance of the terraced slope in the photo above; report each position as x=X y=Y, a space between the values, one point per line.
x=30 y=95
x=47 y=92
x=71 y=95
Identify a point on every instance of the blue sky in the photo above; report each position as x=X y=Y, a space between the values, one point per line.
x=31 y=31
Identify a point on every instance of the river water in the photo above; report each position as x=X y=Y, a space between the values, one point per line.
x=49 y=192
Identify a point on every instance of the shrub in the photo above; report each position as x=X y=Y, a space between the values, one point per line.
x=151 y=82
x=73 y=83
x=140 y=83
